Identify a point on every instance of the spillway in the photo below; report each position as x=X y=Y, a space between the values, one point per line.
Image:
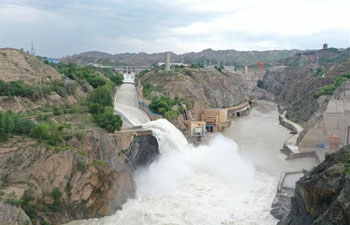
x=126 y=103
x=231 y=179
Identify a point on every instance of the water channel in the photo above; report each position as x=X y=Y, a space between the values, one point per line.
x=231 y=179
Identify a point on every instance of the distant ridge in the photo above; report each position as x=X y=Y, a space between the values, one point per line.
x=207 y=56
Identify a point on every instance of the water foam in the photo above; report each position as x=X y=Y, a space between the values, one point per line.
x=179 y=160
x=208 y=184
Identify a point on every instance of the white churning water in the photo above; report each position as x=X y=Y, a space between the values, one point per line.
x=215 y=183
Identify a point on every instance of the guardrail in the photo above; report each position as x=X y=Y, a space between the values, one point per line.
x=148 y=111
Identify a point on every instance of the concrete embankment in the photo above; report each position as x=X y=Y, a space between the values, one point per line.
x=282 y=203
x=290 y=146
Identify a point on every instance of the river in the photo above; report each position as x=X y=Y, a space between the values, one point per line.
x=231 y=179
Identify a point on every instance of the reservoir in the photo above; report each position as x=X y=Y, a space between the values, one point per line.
x=231 y=179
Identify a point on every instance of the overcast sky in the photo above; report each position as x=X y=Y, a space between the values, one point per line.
x=65 y=27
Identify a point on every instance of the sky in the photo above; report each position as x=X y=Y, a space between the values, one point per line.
x=66 y=27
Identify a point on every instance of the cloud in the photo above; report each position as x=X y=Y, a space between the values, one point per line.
x=14 y=14
x=288 y=19
x=65 y=27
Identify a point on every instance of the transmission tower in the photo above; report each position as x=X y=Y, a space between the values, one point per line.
x=32 y=52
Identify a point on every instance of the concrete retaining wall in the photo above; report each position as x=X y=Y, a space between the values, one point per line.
x=287 y=124
x=124 y=138
x=142 y=105
x=151 y=115
x=302 y=155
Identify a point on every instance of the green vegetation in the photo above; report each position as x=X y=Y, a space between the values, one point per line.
x=326 y=90
x=15 y=88
x=98 y=163
x=5 y=179
x=329 y=89
x=347 y=168
x=79 y=136
x=100 y=105
x=142 y=73
x=343 y=157
x=60 y=87
x=187 y=72
x=82 y=166
x=111 y=74
x=163 y=105
x=49 y=132
x=17 y=124
x=261 y=84
x=19 y=88
x=319 y=72
x=148 y=88
x=185 y=102
x=117 y=79
x=11 y=123
x=25 y=202
x=56 y=195
x=83 y=74
x=219 y=68
x=181 y=110
x=197 y=65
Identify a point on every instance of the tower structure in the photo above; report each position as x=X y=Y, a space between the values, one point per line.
x=32 y=52
x=167 y=61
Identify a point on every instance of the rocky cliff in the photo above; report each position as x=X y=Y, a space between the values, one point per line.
x=62 y=183
x=295 y=86
x=82 y=172
x=322 y=196
x=208 y=86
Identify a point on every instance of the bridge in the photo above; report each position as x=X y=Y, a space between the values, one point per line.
x=124 y=69
x=130 y=69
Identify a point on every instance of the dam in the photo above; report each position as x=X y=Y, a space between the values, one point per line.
x=231 y=179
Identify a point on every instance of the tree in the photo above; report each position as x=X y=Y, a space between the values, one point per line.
x=116 y=78
x=102 y=96
x=109 y=121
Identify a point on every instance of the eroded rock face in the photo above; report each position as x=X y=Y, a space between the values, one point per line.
x=322 y=196
x=86 y=185
x=143 y=150
x=294 y=88
x=204 y=85
x=11 y=215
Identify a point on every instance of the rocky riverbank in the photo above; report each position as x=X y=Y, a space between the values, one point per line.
x=322 y=195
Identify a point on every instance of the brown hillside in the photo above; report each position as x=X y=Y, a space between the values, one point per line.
x=18 y=65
